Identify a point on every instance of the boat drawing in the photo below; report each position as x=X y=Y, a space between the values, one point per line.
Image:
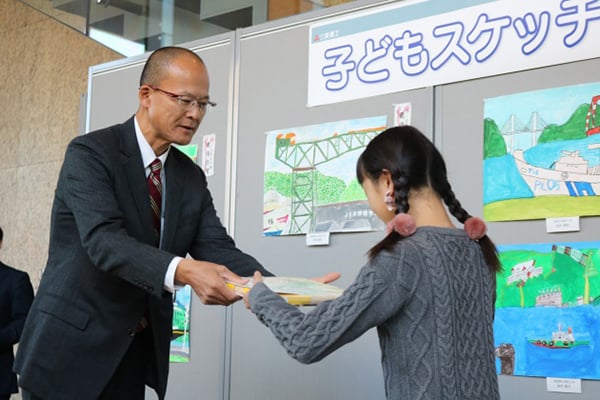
x=276 y=214
x=559 y=340
x=570 y=175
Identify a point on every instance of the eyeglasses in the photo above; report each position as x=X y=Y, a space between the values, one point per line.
x=185 y=101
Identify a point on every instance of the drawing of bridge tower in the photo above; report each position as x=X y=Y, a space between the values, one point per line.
x=304 y=158
x=520 y=136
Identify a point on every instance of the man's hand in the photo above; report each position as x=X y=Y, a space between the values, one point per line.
x=208 y=281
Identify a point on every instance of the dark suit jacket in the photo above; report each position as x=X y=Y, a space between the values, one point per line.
x=16 y=295
x=103 y=271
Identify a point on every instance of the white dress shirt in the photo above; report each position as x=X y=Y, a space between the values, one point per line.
x=147 y=157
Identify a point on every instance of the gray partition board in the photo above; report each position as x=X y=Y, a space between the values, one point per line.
x=268 y=92
x=113 y=99
x=459 y=112
x=272 y=95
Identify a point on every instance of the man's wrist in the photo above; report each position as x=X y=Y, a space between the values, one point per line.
x=170 y=282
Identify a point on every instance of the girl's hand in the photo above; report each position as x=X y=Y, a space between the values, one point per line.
x=257 y=278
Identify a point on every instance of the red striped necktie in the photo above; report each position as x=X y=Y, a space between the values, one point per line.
x=155 y=189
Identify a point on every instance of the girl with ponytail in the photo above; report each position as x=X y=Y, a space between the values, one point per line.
x=428 y=288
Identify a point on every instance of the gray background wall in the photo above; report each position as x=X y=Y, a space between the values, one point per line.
x=259 y=77
x=272 y=96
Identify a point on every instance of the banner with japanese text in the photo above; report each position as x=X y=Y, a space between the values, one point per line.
x=402 y=46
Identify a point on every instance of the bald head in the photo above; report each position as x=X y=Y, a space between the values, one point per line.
x=159 y=61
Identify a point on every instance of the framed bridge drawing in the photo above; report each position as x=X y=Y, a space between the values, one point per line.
x=548 y=310
x=310 y=178
x=542 y=154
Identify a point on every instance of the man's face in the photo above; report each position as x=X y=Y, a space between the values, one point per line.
x=171 y=120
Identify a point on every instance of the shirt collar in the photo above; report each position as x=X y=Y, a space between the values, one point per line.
x=147 y=153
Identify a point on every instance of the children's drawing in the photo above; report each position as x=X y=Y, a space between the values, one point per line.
x=548 y=310
x=182 y=302
x=191 y=150
x=180 y=336
x=208 y=154
x=402 y=114
x=548 y=167
x=310 y=178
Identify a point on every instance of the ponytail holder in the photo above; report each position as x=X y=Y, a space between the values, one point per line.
x=475 y=228
x=403 y=224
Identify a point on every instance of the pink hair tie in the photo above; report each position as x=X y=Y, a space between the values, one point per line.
x=403 y=224
x=475 y=228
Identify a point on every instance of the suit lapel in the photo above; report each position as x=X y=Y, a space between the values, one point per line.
x=133 y=169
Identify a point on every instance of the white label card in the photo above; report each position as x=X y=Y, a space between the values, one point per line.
x=564 y=224
x=565 y=385
x=317 y=239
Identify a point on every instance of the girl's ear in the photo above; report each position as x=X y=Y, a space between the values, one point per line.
x=385 y=179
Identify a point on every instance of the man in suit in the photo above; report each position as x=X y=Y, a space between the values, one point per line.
x=100 y=324
x=16 y=295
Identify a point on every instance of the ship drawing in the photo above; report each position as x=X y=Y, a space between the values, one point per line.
x=275 y=213
x=560 y=340
x=570 y=175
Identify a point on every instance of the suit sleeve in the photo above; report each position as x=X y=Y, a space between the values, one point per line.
x=21 y=297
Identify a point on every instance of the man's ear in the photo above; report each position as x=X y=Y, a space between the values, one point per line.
x=143 y=94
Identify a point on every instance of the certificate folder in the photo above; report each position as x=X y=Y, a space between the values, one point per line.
x=297 y=291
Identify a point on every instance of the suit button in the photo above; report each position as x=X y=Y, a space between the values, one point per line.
x=131 y=332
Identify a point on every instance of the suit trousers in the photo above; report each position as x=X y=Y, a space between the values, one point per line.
x=26 y=395
x=129 y=380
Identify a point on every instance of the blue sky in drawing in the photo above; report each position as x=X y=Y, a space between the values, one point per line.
x=554 y=105
x=546 y=247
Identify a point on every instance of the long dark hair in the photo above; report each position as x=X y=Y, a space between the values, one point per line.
x=414 y=163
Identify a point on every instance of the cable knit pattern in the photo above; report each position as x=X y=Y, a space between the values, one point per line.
x=432 y=301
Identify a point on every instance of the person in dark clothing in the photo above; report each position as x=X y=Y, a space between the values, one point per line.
x=16 y=295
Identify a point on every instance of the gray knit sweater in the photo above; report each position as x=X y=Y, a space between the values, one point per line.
x=432 y=301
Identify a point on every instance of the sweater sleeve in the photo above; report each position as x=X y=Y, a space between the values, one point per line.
x=310 y=336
